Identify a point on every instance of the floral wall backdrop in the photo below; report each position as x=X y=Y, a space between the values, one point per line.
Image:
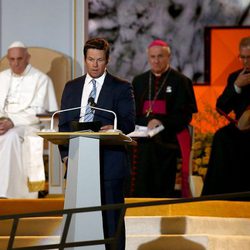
x=131 y=25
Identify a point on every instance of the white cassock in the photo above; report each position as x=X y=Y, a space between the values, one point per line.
x=21 y=150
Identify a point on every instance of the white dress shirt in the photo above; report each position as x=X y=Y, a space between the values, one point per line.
x=87 y=89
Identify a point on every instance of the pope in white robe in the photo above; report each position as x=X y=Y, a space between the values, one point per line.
x=25 y=92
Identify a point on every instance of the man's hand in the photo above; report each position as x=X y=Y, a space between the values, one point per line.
x=154 y=123
x=5 y=125
x=243 y=79
x=106 y=127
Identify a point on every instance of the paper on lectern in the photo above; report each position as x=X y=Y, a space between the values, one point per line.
x=143 y=131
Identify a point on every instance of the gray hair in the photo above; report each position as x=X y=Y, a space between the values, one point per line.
x=245 y=42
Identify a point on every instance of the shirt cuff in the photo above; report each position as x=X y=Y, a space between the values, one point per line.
x=237 y=89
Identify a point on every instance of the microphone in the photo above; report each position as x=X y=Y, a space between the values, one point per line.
x=92 y=104
x=60 y=111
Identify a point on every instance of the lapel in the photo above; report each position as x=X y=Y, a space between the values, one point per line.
x=106 y=91
x=78 y=94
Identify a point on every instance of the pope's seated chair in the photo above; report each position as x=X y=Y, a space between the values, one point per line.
x=58 y=67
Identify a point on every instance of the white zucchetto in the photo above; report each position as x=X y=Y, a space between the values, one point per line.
x=17 y=44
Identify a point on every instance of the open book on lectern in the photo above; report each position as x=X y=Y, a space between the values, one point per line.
x=143 y=131
x=85 y=126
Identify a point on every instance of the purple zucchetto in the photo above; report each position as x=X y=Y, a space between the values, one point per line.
x=158 y=43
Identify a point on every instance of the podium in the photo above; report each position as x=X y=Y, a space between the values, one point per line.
x=83 y=180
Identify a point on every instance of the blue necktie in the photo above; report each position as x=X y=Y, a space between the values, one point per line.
x=89 y=114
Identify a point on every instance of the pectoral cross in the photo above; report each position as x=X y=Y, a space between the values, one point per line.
x=148 y=111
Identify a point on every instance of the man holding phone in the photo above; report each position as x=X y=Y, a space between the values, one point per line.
x=229 y=167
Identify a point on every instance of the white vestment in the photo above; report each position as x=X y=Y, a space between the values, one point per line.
x=21 y=150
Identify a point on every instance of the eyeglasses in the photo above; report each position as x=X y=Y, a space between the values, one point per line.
x=241 y=57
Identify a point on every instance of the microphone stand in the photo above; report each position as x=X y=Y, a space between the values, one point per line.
x=60 y=111
x=109 y=111
x=91 y=103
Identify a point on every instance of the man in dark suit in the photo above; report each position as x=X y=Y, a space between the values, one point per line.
x=165 y=97
x=111 y=93
x=229 y=164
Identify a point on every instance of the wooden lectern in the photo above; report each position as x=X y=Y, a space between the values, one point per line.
x=83 y=179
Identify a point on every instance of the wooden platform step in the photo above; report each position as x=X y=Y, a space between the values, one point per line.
x=160 y=225
x=170 y=242
x=19 y=206
x=140 y=225
x=149 y=233
x=234 y=209
x=173 y=226
x=26 y=241
x=37 y=226
x=188 y=242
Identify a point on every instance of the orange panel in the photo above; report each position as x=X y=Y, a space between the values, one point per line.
x=224 y=52
x=224 y=60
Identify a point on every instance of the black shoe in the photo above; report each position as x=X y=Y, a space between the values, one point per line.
x=42 y=194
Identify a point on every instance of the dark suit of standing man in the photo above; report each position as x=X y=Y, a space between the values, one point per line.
x=229 y=164
x=113 y=94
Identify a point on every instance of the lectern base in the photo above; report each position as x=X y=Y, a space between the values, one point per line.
x=83 y=180
x=83 y=190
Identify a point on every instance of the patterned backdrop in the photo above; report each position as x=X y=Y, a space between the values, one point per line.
x=131 y=25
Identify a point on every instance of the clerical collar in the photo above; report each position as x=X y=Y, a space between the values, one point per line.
x=25 y=72
x=159 y=75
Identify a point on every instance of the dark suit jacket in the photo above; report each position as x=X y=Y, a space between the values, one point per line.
x=228 y=169
x=229 y=100
x=116 y=95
